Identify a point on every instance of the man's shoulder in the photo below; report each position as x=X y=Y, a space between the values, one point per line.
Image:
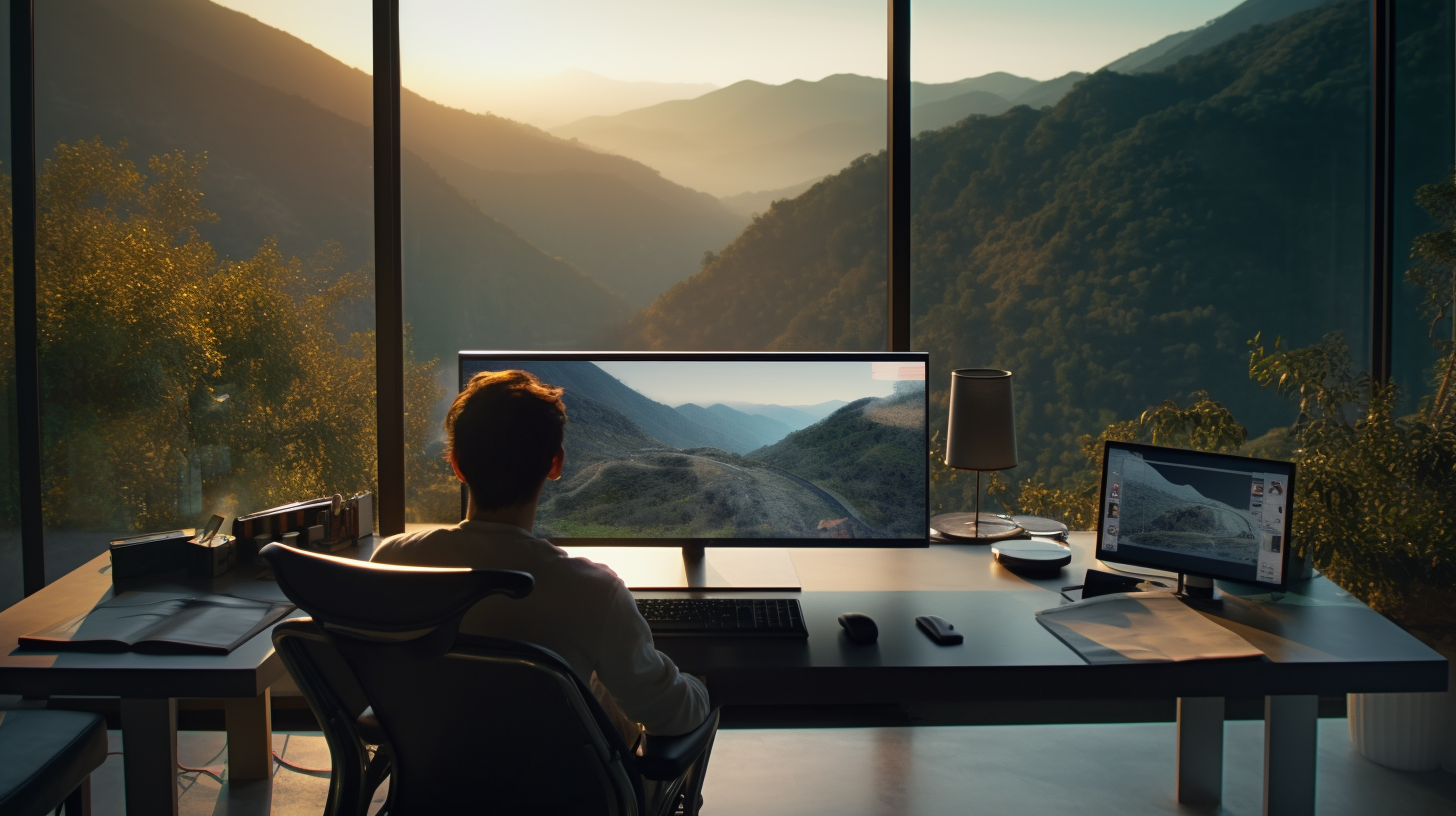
x=485 y=546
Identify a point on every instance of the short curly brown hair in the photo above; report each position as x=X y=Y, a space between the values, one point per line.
x=502 y=433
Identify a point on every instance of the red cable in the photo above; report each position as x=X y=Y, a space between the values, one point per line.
x=300 y=768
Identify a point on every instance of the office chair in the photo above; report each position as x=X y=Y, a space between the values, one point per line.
x=463 y=723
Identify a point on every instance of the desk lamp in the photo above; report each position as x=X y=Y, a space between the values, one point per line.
x=981 y=435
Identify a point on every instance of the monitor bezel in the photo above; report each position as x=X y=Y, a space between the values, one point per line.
x=922 y=357
x=1275 y=465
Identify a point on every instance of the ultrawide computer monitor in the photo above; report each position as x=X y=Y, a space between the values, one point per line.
x=734 y=449
x=1202 y=515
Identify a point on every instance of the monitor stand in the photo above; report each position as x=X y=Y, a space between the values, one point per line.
x=1196 y=587
x=743 y=569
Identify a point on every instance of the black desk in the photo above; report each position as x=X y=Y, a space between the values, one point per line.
x=1320 y=641
x=1317 y=641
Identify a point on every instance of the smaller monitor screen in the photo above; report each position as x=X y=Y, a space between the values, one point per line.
x=792 y=449
x=1207 y=514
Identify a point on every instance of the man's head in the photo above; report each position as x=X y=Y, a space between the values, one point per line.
x=503 y=435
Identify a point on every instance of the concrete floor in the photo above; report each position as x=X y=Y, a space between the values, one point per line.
x=1015 y=769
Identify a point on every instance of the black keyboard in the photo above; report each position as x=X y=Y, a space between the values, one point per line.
x=758 y=617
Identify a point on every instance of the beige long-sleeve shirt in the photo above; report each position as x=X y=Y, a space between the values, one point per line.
x=579 y=609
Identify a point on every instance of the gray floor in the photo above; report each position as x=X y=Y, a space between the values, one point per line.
x=1032 y=769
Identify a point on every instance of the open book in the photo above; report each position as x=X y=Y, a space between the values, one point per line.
x=161 y=623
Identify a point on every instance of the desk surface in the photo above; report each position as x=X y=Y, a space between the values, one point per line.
x=1318 y=640
x=244 y=672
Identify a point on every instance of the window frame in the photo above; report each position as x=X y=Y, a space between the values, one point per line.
x=389 y=305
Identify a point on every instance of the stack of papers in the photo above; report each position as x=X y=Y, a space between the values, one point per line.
x=1141 y=627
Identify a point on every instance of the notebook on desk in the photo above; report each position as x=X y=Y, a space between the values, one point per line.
x=161 y=623
x=1141 y=627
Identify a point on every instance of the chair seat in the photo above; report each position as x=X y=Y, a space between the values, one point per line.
x=44 y=755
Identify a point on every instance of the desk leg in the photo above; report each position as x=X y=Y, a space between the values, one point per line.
x=1291 y=748
x=1200 y=750
x=250 y=736
x=149 y=755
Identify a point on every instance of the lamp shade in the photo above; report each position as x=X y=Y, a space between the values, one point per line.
x=981 y=434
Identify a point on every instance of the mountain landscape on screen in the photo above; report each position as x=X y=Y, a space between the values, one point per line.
x=1104 y=249
x=636 y=467
x=1177 y=518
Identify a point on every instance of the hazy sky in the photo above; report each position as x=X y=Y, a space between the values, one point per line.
x=783 y=383
x=451 y=47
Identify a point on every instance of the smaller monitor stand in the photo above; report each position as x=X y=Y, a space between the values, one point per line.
x=1196 y=587
x=695 y=567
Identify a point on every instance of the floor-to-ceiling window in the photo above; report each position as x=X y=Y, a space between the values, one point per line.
x=672 y=177
x=1117 y=197
x=642 y=175
x=11 y=588
x=205 y=250
x=1423 y=328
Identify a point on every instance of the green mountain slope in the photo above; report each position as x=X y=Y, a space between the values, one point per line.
x=809 y=274
x=936 y=115
x=1114 y=250
x=280 y=165
x=868 y=454
x=1235 y=21
x=638 y=251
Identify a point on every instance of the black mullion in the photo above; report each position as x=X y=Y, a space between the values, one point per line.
x=1382 y=183
x=388 y=270
x=27 y=346
x=899 y=161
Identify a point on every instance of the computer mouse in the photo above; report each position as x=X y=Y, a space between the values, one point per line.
x=859 y=627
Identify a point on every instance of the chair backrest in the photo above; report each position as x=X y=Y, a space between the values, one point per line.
x=473 y=724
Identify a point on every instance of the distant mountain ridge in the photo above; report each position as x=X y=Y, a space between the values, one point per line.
x=744 y=431
x=796 y=417
x=754 y=136
x=549 y=101
x=637 y=252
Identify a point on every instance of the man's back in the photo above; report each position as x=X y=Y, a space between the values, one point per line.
x=579 y=609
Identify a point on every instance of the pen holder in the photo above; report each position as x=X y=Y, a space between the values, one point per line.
x=212 y=559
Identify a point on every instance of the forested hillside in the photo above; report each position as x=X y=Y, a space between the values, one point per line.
x=1112 y=251
x=615 y=218
x=280 y=166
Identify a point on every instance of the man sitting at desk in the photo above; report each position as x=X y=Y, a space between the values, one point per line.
x=504 y=435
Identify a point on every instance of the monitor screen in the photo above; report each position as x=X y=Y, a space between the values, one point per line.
x=1206 y=514
x=735 y=449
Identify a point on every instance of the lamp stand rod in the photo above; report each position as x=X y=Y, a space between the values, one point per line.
x=977 y=523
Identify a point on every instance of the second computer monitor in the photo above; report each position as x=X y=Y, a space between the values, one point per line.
x=757 y=449
x=1209 y=515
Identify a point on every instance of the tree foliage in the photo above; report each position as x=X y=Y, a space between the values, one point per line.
x=1374 y=503
x=165 y=368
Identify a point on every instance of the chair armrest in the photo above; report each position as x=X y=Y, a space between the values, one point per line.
x=667 y=758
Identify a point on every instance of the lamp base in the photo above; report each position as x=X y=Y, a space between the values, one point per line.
x=961 y=528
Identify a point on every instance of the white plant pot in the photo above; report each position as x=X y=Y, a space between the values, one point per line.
x=1407 y=732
